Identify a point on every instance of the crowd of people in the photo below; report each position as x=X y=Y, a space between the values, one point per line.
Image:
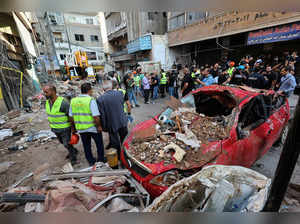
x=111 y=112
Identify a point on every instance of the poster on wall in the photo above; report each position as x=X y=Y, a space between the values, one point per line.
x=275 y=34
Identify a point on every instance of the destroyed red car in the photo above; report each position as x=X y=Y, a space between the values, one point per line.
x=233 y=125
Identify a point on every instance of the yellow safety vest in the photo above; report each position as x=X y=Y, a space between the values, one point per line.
x=163 y=80
x=82 y=113
x=230 y=71
x=57 y=119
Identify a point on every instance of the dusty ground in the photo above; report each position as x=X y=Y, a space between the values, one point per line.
x=53 y=152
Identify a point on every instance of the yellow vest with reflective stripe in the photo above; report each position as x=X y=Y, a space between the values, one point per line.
x=57 y=120
x=230 y=71
x=125 y=104
x=136 y=79
x=163 y=79
x=82 y=113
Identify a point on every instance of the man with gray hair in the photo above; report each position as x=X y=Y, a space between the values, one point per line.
x=113 y=118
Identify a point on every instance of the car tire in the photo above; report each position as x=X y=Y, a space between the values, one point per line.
x=283 y=136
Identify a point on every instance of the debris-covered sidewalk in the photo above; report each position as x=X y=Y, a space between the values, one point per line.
x=94 y=189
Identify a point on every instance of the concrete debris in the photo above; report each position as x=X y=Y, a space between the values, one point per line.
x=5 y=165
x=188 y=138
x=215 y=188
x=119 y=205
x=34 y=207
x=4 y=133
x=78 y=193
x=179 y=152
x=67 y=168
x=187 y=129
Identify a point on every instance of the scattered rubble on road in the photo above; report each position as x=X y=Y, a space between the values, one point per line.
x=182 y=132
x=215 y=189
x=94 y=189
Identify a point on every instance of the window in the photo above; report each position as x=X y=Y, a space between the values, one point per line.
x=79 y=37
x=58 y=37
x=62 y=56
x=151 y=15
x=52 y=19
x=89 y=21
x=91 y=56
x=94 y=38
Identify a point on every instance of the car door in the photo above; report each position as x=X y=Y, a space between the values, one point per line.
x=253 y=131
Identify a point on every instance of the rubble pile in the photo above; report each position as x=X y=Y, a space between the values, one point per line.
x=179 y=138
x=93 y=189
x=215 y=188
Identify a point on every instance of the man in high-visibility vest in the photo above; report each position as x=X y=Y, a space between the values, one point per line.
x=137 y=83
x=57 y=109
x=85 y=118
x=113 y=119
x=231 y=68
x=163 y=83
x=196 y=77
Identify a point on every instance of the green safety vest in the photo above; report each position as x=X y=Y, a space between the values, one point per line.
x=82 y=113
x=125 y=104
x=163 y=80
x=119 y=79
x=57 y=120
x=137 y=80
x=194 y=76
x=230 y=71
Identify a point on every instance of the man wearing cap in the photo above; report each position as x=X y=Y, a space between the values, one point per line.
x=57 y=109
x=85 y=118
x=231 y=68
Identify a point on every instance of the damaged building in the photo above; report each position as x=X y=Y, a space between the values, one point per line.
x=17 y=72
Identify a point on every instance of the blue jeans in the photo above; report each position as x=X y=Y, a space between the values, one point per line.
x=171 y=91
x=132 y=97
x=155 y=92
x=136 y=90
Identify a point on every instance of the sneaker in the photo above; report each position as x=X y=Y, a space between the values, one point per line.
x=74 y=161
x=146 y=102
x=132 y=106
x=137 y=105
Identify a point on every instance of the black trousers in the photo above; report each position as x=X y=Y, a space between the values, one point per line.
x=146 y=95
x=116 y=139
x=87 y=145
x=162 y=90
x=64 y=138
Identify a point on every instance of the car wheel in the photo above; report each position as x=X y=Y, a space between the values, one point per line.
x=283 y=136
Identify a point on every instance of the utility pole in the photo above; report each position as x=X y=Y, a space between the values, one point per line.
x=286 y=165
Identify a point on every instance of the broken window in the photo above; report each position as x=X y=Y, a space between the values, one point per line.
x=258 y=110
x=214 y=104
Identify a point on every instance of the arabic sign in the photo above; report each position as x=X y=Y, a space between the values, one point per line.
x=140 y=44
x=275 y=34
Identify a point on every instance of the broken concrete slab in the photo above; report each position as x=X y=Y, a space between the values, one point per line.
x=243 y=199
x=4 y=133
x=119 y=205
x=4 y=166
x=179 y=152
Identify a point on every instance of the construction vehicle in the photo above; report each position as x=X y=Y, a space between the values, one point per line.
x=77 y=66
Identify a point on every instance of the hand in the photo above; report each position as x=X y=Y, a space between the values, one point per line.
x=99 y=129
x=74 y=131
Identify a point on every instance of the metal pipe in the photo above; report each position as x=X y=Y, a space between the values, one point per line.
x=115 y=196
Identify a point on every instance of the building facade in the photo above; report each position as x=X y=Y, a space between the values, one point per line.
x=18 y=77
x=64 y=33
x=204 y=38
x=132 y=35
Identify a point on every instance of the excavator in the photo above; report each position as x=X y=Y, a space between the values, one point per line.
x=76 y=65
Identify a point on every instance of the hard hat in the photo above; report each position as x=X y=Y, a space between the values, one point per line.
x=74 y=139
x=232 y=63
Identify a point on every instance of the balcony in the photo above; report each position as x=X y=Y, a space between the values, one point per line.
x=118 y=31
x=61 y=45
x=119 y=53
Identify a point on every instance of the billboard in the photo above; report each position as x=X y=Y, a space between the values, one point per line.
x=140 y=44
x=275 y=34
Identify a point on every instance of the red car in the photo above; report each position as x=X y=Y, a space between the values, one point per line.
x=255 y=120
